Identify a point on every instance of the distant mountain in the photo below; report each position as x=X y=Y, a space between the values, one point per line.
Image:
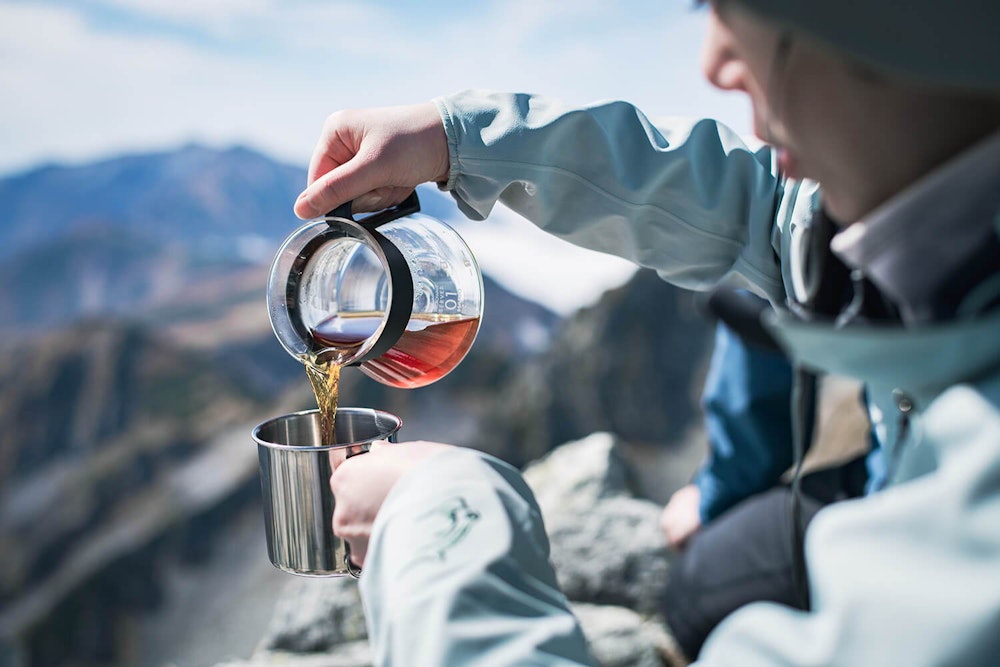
x=98 y=270
x=66 y=394
x=117 y=451
x=195 y=195
x=120 y=236
x=94 y=415
x=201 y=197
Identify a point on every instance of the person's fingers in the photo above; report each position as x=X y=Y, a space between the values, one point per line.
x=321 y=161
x=339 y=142
x=359 y=550
x=671 y=534
x=357 y=540
x=677 y=535
x=669 y=524
x=342 y=508
x=676 y=540
x=356 y=177
x=378 y=445
x=337 y=456
x=678 y=528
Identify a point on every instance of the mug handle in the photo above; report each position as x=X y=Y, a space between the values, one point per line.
x=352 y=569
x=406 y=207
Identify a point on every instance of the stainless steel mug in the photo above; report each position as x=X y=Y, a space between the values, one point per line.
x=295 y=468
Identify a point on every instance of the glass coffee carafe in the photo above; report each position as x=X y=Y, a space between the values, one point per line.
x=397 y=293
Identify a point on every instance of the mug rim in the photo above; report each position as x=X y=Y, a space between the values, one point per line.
x=255 y=434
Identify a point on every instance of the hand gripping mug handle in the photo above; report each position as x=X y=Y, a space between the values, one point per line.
x=352 y=569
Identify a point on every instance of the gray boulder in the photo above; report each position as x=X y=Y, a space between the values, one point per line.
x=351 y=654
x=607 y=545
x=316 y=615
x=619 y=637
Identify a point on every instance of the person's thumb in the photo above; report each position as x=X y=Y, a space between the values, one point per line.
x=379 y=444
x=344 y=183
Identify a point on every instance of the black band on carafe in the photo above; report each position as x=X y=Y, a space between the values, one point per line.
x=401 y=301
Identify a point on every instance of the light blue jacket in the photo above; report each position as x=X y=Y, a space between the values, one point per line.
x=457 y=571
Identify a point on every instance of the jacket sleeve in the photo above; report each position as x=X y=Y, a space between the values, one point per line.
x=457 y=572
x=689 y=200
x=747 y=406
x=906 y=577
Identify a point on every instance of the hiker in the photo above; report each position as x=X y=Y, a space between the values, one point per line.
x=731 y=526
x=891 y=275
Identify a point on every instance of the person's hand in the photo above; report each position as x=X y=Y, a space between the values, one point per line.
x=360 y=484
x=681 y=517
x=374 y=157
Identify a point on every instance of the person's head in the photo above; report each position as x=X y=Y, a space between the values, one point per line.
x=839 y=106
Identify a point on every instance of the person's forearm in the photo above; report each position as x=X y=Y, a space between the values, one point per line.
x=457 y=572
x=691 y=201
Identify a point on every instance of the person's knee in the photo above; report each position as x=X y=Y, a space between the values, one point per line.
x=743 y=556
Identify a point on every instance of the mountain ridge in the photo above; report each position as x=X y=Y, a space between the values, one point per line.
x=184 y=195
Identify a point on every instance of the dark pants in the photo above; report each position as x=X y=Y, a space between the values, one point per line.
x=744 y=556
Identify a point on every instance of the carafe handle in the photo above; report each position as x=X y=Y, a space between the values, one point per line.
x=401 y=305
x=406 y=207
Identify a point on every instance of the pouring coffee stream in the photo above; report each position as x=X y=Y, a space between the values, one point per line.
x=397 y=294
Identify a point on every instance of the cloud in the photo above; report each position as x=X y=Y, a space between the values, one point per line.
x=114 y=75
x=196 y=11
x=81 y=92
x=297 y=24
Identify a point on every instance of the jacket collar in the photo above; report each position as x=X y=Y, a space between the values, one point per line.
x=921 y=361
x=915 y=244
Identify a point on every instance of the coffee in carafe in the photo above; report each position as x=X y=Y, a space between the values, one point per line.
x=428 y=348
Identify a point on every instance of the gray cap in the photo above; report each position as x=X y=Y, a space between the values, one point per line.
x=948 y=43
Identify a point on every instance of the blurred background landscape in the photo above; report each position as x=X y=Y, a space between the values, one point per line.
x=151 y=151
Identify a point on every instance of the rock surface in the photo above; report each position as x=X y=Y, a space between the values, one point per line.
x=620 y=637
x=607 y=546
x=351 y=654
x=316 y=615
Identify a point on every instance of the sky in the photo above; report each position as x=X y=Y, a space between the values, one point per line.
x=82 y=80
